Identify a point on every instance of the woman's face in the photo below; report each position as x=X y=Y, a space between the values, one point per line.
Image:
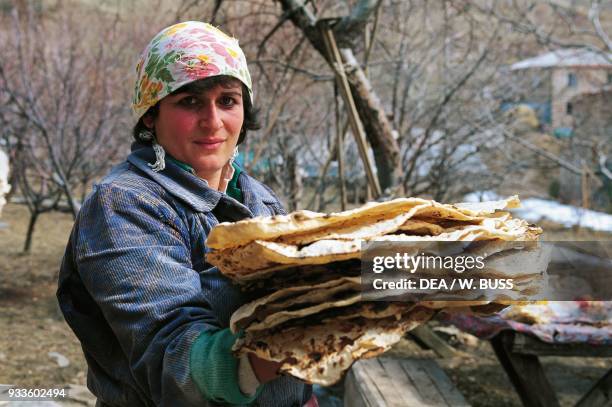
x=201 y=129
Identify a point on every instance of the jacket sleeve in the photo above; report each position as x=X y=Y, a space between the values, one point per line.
x=215 y=369
x=133 y=255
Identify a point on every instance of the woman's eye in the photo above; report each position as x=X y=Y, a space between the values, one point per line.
x=227 y=101
x=189 y=101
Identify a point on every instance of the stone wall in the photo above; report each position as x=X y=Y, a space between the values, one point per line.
x=586 y=80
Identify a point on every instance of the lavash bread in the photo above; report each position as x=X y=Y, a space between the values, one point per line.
x=304 y=269
x=301 y=222
x=324 y=350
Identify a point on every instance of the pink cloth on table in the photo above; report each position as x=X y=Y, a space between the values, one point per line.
x=587 y=322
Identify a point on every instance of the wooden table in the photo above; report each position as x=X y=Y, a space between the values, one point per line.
x=518 y=354
x=399 y=382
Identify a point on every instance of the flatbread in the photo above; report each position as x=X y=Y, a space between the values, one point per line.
x=227 y=235
x=318 y=321
x=266 y=314
x=421 y=227
x=283 y=316
x=488 y=207
x=323 y=352
x=300 y=276
x=290 y=297
x=260 y=258
x=353 y=231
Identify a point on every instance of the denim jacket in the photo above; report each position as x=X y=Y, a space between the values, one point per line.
x=135 y=287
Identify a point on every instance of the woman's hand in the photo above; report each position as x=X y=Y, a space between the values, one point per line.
x=265 y=370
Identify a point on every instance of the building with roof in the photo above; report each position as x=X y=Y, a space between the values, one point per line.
x=573 y=72
x=590 y=145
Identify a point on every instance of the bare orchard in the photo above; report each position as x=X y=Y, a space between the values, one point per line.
x=442 y=98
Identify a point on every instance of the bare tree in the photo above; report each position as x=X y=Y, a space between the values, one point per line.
x=65 y=103
x=430 y=80
x=347 y=30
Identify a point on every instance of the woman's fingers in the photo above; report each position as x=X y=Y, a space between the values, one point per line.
x=265 y=370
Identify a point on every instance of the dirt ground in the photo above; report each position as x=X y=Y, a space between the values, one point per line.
x=31 y=326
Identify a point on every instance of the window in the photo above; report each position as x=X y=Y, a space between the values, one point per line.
x=609 y=78
x=569 y=108
x=572 y=81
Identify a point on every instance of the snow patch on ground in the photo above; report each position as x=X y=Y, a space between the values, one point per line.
x=536 y=210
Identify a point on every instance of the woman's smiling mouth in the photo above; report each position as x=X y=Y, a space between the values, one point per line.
x=209 y=144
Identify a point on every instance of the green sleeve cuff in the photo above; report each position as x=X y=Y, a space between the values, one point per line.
x=215 y=369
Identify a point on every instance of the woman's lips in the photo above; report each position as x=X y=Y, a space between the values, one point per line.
x=209 y=144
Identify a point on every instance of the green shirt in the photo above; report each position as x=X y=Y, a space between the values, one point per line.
x=233 y=189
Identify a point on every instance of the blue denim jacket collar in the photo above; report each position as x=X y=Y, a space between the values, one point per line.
x=195 y=191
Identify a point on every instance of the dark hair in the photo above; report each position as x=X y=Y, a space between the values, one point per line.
x=251 y=119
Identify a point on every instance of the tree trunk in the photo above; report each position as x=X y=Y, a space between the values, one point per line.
x=73 y=204
x=83 y=190
x=295 y=182
x=377 y=127
x=13 y=183
x=28 y=240
x=15 y=159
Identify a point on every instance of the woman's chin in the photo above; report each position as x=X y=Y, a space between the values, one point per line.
x=208 y=169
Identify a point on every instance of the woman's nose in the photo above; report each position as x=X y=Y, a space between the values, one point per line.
x=210 y=117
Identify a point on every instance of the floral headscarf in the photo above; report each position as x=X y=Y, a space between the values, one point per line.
x=183 y=53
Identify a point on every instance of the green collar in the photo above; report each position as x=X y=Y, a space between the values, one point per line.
x=233 y=189
x=181 y=164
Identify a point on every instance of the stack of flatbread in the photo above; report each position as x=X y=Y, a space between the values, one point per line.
x=304 y=271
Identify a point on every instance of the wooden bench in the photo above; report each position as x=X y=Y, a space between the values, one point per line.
x=395 y=382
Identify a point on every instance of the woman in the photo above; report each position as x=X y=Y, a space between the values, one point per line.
x=152 y=316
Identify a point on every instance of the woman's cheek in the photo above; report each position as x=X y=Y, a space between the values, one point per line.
x=184 y=122
x=236 y=120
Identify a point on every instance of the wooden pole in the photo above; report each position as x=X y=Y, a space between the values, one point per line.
x=585 y=186
x=340 y=151
x=345 y=92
